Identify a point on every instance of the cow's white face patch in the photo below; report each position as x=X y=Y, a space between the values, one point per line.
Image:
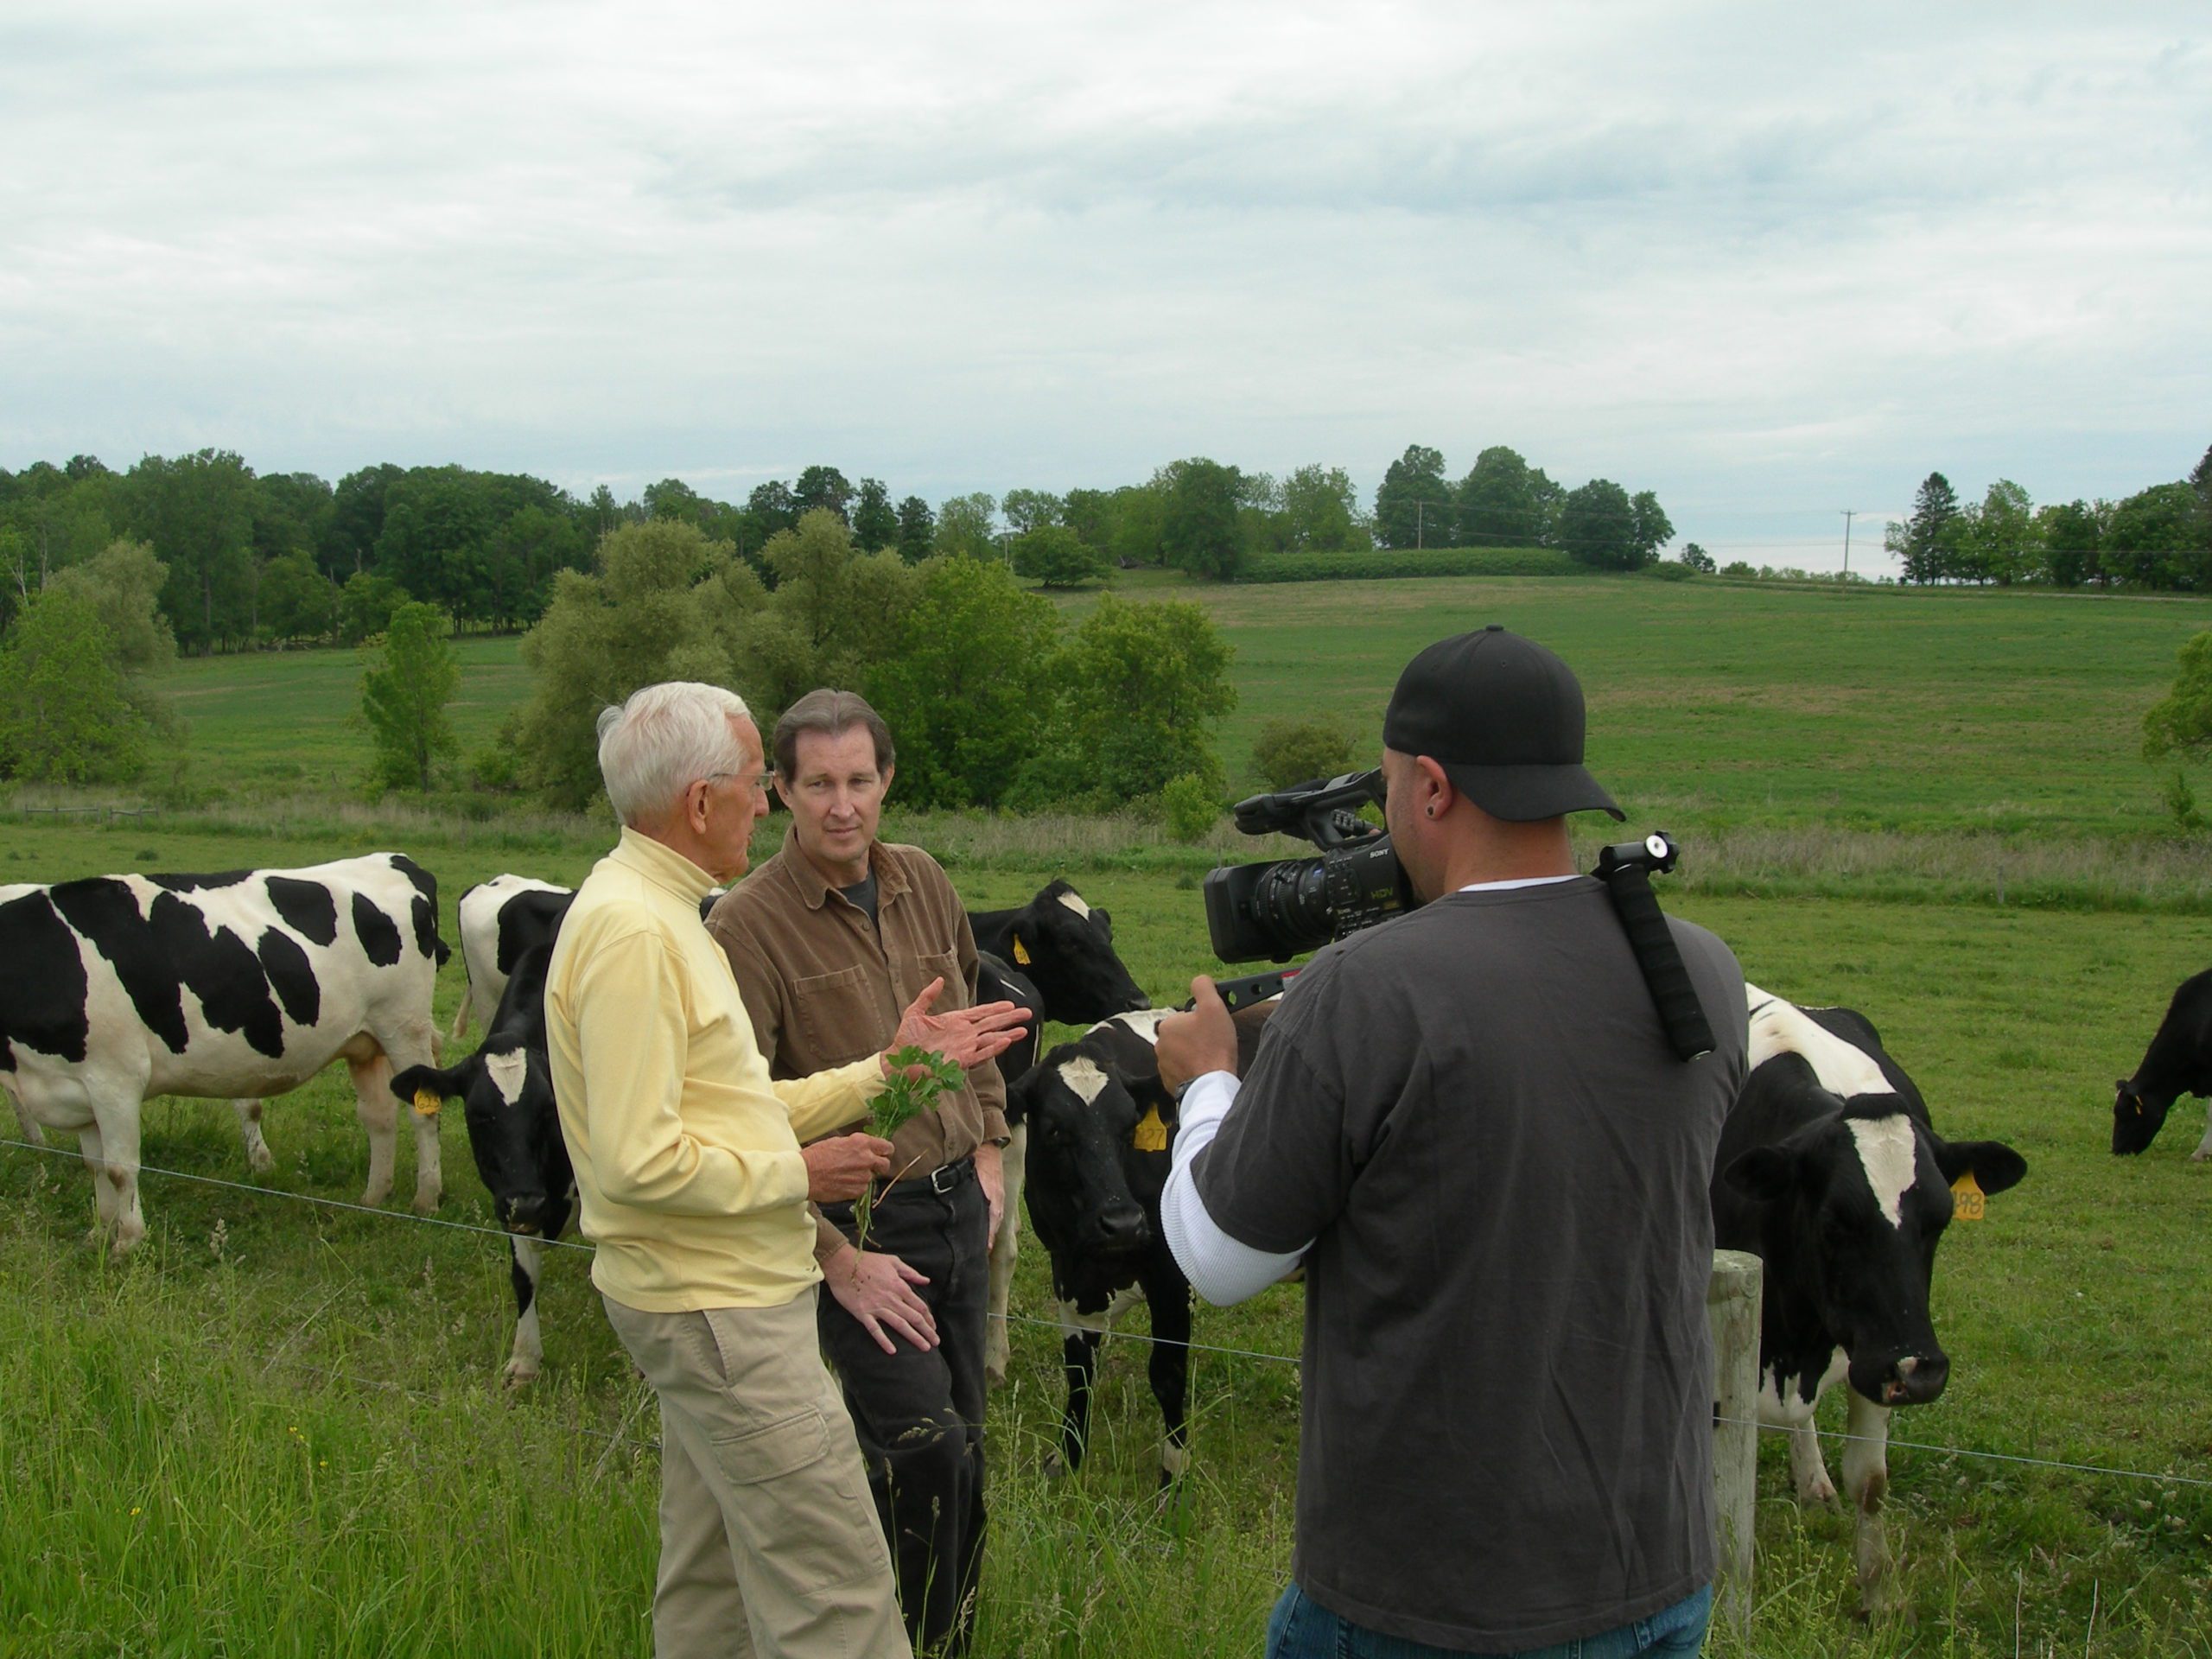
x=1075 y=903
x=1143 y=1022
x=1886 y=1149
x=1085 y=1077
x=1782 y=1027
x=507 y=1073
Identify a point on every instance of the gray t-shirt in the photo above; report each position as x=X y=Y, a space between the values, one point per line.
x=1506 y=1432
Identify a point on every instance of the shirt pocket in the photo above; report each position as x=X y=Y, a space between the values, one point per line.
x=917 y=968
x=839 y=1017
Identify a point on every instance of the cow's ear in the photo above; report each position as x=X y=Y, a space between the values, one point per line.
x=1995 y=1165
x=1105 y=921
x=1017 y=1102
x=1766 y=1174
x=449 y=1084
x=2121 y=1083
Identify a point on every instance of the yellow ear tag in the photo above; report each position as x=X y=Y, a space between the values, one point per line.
x=1969 y=1201
x=1151 y=1135
x=427 y=1104
x=1021 y=956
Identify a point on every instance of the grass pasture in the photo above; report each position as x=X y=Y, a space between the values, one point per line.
x=279 y=1428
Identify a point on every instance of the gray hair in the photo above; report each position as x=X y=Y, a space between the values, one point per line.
x=663 y=740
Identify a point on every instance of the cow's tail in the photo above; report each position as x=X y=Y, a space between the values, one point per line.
x=460 y=1015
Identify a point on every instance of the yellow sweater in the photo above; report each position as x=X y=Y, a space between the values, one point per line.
x=688 y=1170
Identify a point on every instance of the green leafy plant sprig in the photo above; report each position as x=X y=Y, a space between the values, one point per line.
x=919 y=1076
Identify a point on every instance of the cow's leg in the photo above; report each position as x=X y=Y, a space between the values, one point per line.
x=379 y=1112
x=1004 y=1243
x=1782 y=1406
x=1866 y=1479
x=1079 y=1359
x=31 y=1133
x=111 y=1148
x=2203 y=1152
x=380 y=1115
x=88 y=1144
x=1170 y=1367
x=259 y=1158
x=527 y=1267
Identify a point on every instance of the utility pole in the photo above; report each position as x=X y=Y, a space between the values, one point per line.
x=1849 y=514
x=1418 y=508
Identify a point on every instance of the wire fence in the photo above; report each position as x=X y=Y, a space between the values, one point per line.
x=277 y=1362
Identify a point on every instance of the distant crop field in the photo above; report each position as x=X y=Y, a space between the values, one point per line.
x=2013 y=714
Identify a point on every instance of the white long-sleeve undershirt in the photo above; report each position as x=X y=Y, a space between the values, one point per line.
x=1222 y=1269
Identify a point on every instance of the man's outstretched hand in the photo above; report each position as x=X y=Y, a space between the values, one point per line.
x=1202 y=1040
x=967 y=1036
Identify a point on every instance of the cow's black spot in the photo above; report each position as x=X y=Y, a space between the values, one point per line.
x=292 y=977
x=424 y=882
x=376 y=930
x=425 y=915
x=222 y=971
x=200 y=883
x=527 y=920
x=307 y=907
x=43 y=984
x=105 y=912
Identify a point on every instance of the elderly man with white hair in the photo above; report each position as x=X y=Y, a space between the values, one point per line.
x=691 y=1182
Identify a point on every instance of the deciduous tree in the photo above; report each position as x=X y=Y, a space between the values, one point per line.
x=1057 y=556
x=66 y=712
x=407 y=679
x=1412 y=503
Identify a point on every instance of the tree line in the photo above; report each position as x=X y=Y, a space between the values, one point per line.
x=2158 y=539
x=252 y=559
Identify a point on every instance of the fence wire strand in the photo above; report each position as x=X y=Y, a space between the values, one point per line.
x=2016 y=1459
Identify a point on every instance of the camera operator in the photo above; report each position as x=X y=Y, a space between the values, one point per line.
x=1468 y=1124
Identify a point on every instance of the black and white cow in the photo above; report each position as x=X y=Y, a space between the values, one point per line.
x=1101 y=1126
x=1055 y=955
x=245 y=984
x=506 y=1089
x=499 y=921
x=2178 y=1063
x=1830 y=1171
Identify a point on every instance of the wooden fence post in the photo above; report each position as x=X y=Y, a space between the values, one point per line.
x=1732 y=1313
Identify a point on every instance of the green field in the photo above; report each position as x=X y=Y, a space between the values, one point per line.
x=279 y=1429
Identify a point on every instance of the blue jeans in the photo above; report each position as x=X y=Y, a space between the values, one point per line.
x=1302 y=1629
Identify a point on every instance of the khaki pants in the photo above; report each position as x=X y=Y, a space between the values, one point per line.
x=769 y=1543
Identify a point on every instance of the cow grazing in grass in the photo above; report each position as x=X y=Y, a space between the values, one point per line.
x=1830 y=1171
x=113 y=988
x=1101 y=1127
x=506 y=1089
x=1055 y=957
x=2178 y=1063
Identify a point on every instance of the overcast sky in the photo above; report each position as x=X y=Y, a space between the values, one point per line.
x=1768 y=264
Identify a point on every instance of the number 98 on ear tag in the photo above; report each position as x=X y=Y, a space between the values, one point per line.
x=1969 y=1201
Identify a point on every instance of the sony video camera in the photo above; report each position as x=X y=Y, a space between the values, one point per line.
x=1279 y=910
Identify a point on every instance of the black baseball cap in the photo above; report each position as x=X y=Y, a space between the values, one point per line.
x=1503 y=717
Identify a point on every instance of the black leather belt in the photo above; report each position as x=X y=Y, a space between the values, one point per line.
x=945 y=1177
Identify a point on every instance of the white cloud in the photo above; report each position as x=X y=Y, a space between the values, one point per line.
x=1768 y=266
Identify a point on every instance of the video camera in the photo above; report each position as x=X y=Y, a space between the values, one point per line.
x=1277 y=910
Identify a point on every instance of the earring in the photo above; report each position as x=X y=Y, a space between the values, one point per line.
x=1432 y=811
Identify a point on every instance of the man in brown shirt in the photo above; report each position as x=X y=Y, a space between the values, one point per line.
x=829 y=940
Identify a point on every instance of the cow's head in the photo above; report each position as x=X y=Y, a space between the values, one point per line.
x=1082 y=1119
x=1861 y=1201
x=2137 y=1117
x=996 y=981
x=514 y=1132
x=1066 y=947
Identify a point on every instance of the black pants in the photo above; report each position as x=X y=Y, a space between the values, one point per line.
x=919 y=1412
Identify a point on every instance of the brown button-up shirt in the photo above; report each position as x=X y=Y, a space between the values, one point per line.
x=825 y=986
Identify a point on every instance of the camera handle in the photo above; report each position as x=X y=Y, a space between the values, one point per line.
x=1626 y=872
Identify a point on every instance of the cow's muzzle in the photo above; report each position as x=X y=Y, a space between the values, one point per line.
x=1914 y=1379
x=1120 y=1228
x=529 y=1217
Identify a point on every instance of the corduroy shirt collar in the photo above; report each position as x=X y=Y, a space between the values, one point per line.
x=815 y=888
x=662 y=865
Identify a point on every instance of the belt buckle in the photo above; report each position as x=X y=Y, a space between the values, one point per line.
x=944 y=1179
